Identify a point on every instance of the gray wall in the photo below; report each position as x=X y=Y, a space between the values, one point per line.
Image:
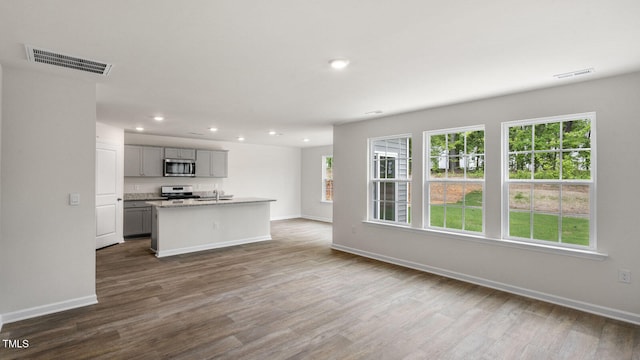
x=311 y=204
x=2 y=268
x=47 y=248
x=585 y=283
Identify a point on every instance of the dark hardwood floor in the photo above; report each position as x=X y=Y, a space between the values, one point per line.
x=295 y=298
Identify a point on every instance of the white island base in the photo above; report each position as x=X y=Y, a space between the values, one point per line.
x=185 y=226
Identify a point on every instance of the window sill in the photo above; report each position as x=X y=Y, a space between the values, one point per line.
x=549 y=249
x=327 y=201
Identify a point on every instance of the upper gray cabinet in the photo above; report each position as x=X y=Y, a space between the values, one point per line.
x=142 y=160
x=211 y=163
x=176 y=153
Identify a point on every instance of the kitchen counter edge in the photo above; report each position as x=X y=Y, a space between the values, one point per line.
x=205 y=202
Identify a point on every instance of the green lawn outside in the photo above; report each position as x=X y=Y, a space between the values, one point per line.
x=472 y=213
x=472 y=218
x=574 y=230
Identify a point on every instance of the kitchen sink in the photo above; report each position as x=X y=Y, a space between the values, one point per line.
x=214 y=199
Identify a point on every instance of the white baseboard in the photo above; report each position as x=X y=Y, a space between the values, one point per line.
x=47 y=309
x=190 y=249
x=558 y=300
x=285 y=217
x=317 y=218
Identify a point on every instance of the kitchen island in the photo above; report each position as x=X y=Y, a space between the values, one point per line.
x=189 y=225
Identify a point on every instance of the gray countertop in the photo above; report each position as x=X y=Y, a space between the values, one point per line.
x=156 y=196
x=205 y=202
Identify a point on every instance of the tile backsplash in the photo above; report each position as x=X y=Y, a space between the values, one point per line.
x=134 y=185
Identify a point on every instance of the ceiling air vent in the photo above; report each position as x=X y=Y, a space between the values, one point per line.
x=574 y=73
x=68 y=61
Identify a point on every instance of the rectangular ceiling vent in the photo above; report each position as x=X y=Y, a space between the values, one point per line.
x=574 y=73
x=68 y=61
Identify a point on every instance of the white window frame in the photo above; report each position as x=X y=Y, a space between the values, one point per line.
x=426 y=152
x=325 y=178
x=373 y=176
x=377 y=176
x=591 y=182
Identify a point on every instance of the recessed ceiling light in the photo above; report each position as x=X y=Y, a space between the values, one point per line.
x=212 y=129
x=158 y=118
x=374 y=112
x=339 y=64
x=240 y=138
x=139 y=128
x=272 y=132
x=306 y=140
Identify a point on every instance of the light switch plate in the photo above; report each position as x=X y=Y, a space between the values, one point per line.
x=74 y=199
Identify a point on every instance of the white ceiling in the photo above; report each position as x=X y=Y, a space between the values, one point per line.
x=247 y=67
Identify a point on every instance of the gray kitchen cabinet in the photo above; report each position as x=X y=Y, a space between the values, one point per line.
x=137 y=218
x=132 y=160
x=176 y=153
x=212 y=163
x=142 y=160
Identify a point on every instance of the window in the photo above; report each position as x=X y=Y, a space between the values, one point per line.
x=548 y=180
x=327 y=178
x=454 y=180
x=390 y=179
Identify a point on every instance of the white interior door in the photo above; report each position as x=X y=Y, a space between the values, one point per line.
x=109 y=183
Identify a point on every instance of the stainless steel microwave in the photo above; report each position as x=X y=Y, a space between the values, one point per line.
x=179 y=167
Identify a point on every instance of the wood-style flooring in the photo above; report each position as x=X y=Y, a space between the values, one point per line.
x=295 y=298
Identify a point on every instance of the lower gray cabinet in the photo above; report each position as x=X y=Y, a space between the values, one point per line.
x=137 y=219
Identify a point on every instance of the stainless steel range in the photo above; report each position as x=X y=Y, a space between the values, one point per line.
x=178 y=192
